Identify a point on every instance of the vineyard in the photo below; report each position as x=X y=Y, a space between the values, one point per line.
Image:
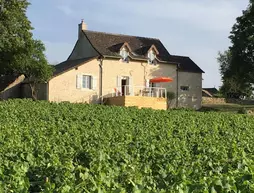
x=49 y=147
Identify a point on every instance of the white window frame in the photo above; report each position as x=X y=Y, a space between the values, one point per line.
x=89 y=84
x=79 y=82
x=124 y=55
x=151 y=57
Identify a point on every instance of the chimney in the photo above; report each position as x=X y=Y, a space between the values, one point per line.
x=82 y=26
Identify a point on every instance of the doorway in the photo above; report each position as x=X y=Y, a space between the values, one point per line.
x=124 y=86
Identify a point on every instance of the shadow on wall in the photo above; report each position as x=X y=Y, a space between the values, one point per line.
x=161 y=72
x=170 y=86
x=186 y=99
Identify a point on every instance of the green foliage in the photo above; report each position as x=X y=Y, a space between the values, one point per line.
x=243 y=111
x=218 y=95
x=19 y=52
x=50 y=147
x=36 y=67
x=237 y=63
x=171 y=95
x=224 y=60
x=187 y=109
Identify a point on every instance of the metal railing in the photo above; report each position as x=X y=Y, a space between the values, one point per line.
x=128 y=90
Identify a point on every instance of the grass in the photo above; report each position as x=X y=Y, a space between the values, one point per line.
x=228 y=107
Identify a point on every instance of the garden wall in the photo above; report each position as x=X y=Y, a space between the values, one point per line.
x=212 y=100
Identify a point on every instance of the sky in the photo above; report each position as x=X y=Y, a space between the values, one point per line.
x=195 y=28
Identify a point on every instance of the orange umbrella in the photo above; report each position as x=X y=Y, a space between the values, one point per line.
x=161 y=79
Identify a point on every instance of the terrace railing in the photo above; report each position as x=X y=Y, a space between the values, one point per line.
x=128 y=90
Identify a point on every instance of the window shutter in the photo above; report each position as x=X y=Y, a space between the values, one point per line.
x=94 y=82
x=79 y=81
x=147 y=83
x=118 y=82
x=149 y=55
x=131 y=85
x=130 y=81
x=152 y=56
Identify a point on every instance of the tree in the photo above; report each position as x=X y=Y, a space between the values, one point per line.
x=224 y=60
x=234 y=86
x=19 y=52
x=237 y=63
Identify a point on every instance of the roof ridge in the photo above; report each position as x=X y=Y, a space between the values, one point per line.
x=116 y=34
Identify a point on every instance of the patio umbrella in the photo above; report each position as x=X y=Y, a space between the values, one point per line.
x=161 y=79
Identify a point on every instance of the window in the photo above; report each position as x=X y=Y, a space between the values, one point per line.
x=151 y=57
x=184 y=88
x=86 y=81
x=124 y=54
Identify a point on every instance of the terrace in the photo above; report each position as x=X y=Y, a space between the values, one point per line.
x=140 y=96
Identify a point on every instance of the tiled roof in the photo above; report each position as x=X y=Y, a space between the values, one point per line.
x=205 y=93
x=109 y=44
x=69 y=64
x=186 y=64
x=211 y=90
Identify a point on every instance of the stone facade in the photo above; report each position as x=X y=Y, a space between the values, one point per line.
x=104 y=59
x=63 y=87
x=211 y=100
x=192 y=97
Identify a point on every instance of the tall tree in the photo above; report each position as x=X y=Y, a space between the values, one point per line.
x=19 y=52
x=237 y=63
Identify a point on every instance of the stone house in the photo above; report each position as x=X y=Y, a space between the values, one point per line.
x=118 y=69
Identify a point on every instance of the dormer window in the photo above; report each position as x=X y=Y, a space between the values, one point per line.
x=124 y=54
x=151 y=55
x=125 y=51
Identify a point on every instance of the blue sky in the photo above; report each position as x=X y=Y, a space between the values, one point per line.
x=195 y=28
